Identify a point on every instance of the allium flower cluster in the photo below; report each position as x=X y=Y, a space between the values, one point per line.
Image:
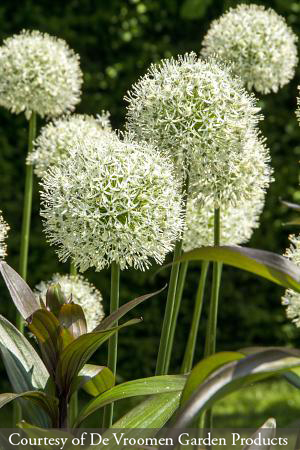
x=112 y=200
x=259 y=44
x=198 y=113
x=39 y=73
x=82 y=292
x=291 y=299
x=52 y=143
x=3 y=235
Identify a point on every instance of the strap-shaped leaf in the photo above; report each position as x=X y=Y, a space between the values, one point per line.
x=144 y=386
x=47 y=403
x=233 y=376
x=71 y=317
x=291 y=205
x=38 y=432
x=76 y=354
x=124 y=309
x=21 y=294
x=94 y=379
x=268 y=265
x=204 y=368
x=25 y=369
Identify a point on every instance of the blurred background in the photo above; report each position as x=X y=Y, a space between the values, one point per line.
x=117 y=40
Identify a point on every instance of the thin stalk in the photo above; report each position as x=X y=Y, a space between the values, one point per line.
x=27 y=206
x=165 y=344
x=177 y=302
x=187 y=363
x=113 y=341
x=211 y=332
x=25 y=234
x=73 y=405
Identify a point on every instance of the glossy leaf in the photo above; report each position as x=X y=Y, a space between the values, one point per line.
x=124 y=309
x=21 y=294
x=46 y=327
x=38 y=432
x=268 y=265
x=233 y=376
x=95 y=379
x=26 y=371
x=55 y=299
x=72 y=318
x=204 y=368
x=144 y=386
x=47 y=403
x=76 y=355
x=267 y=431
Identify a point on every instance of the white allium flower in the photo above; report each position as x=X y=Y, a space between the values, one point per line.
x=39 y=73
x=237 y=223
x=3 y=235
x=83 y=293
x=112 y=200
x=195 y=111
x=54 y=139
x=259 y=44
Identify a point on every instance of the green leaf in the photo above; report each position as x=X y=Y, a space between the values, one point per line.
x=25 y=369
x=267 y=431
x=268 y=265
x=95 y=379
x=124 y=309
x=204 y=368
x=233 y=376
x=194 y=9
x=55 y=299
x=40 y=399
x=37 y=432
x=78 y=352
x=145 y=386
x=72 y=318
x=21 y=294
x=293 y=222
x=46 y=327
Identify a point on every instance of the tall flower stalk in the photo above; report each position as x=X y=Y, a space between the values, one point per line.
x=113 y=341
x=27 y=206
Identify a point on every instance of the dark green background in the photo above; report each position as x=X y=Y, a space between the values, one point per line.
x=117 y=40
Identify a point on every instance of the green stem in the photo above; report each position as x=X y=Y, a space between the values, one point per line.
x=113 y=341
x=211 y=332
x=177 y=302
x=27 y=205
x=165 y=344
x=25 y=234
x=163 y=351
x=73 y=270
x=187 y=363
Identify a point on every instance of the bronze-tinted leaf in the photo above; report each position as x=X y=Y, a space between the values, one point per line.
x=72 y=318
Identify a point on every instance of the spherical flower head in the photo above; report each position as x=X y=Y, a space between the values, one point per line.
x=52 y=143
x=82 y=293
x=196 y=112
x=4 y=228
x=39 y=73
x=112 y=200
x=259 y=44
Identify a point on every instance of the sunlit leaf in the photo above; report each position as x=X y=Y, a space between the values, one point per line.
x=268 y=265
x=71 y=317
x=267 y=431
x=94 y=379
x=145 y=386
x=21 y=294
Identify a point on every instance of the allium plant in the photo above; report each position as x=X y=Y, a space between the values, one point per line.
x=78 y=290
x=258 y=42
x=56 y=137
x=4 y=228
x=198 y=113
x=39 y=75
x=113 y=202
